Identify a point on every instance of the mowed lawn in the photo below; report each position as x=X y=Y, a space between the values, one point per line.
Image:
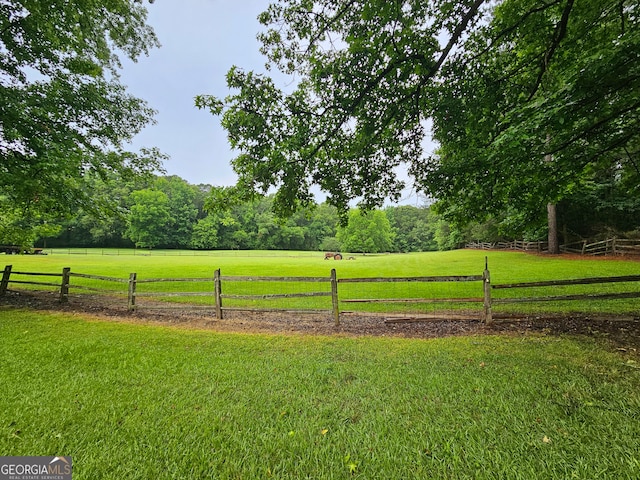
x=131 y=401
x=137 y=401
x=505 y=268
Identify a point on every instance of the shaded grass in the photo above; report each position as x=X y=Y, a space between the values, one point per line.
x=129 y=401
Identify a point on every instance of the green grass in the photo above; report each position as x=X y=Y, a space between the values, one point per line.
x=505 y=267
x=140 y=402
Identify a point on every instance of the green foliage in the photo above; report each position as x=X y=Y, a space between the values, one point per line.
x=64 y=113
x=331 y=244
x=412 y=228
x=17 y=230
x=148 y=217
x=541 y=95
x=507 y=85
x=607 y=202
x=367 y=231
x=183 y=212
x=205 y=233
x=200 y=218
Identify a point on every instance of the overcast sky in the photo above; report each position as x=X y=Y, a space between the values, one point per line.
x=201 y=40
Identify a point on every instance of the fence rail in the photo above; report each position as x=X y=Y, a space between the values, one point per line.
x=612 y=246
x=515 y=245
x=240 y=291
x=485 y=299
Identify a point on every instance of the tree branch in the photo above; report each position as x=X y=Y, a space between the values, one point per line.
x=376 y=80
x=330 y=22
x=559 y=34
x=595 y=126
x=507 y=31
x=457 y=33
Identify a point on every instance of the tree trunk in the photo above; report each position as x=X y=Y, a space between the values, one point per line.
x=552 y=220
x=554 y=248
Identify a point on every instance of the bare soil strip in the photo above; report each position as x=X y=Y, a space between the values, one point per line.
x=623 y=333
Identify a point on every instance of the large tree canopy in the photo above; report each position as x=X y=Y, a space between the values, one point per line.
x=63 y=111
x=524 y=95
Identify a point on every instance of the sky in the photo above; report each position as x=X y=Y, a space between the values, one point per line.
x=201 y=40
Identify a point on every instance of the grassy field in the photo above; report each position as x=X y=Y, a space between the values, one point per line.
x=505 y=267
x=139 y=402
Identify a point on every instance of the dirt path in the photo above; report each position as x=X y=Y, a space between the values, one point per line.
x=622 y=333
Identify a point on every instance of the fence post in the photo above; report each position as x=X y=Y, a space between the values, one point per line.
x=486 y=282
x=64 y=285
x=334 y=297
x=5 y=280
x=132 y=291
x=217 y=290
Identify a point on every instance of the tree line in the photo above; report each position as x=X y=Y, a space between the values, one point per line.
x=168 y=212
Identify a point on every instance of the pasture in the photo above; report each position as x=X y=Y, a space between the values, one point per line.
x=505 y=268
x=138 y=402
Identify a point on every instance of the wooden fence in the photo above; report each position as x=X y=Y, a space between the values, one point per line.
x=213 y=291
x=572 y=297
x=62 y=286
x=333 y=293
x=485 y=299
x=138 y=288
x=515 y=245
x=612 y=246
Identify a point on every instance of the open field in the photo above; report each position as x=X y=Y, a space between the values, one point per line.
x=505 y=267
x=138 y=402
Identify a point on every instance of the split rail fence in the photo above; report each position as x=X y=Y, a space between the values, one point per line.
x=611 y=246
x=255 y=293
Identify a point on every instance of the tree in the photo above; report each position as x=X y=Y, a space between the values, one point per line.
x=63 y=112
x=541 y=93
x=183 y=209
x=15 y=230
x=148 y=217
x=205 y=233
x=411 y=228
x=366 y=231
x=506 y=83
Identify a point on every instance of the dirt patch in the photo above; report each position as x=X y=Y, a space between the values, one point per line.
x=622 y=333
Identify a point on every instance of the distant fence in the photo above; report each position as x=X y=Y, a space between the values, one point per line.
x=142 y=252
x=515 y=245
x=612 y=246
x=220 y=293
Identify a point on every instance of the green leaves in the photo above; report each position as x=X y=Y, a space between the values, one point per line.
x=148 y=216
x=63 y=112
x=368 y=232
x=505 y=84
x=524 y=88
